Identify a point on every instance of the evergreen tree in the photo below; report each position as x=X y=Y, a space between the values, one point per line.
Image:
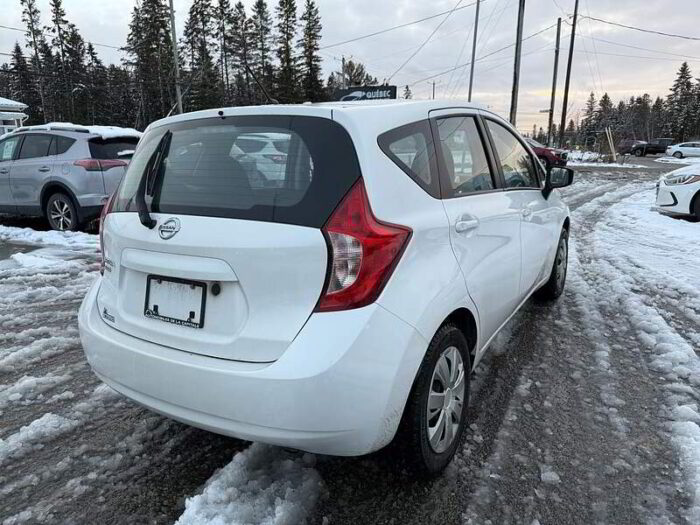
x=286 y=87
x=588 y=123
x=681 y=105
x=32 y=20
x=262 y=38
x=309 y=44
x=21 y=84
x=242 y=54
x=149 y=49
x=224 y=36
x=59 y=28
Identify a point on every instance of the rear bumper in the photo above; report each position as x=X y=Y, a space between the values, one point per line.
x=340 y=388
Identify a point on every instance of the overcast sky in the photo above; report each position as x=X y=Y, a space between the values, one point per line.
x=617 y=66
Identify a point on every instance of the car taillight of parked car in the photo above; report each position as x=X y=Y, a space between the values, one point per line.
x=99 y=164
x=279 y=159
x=105 y=211
x=363 y=253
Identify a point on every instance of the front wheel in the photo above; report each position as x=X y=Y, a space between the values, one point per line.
x=678 y=155
x=638 y=153
x=554 y=287
x=696 y=206
x=436 y=412
x=61 y=213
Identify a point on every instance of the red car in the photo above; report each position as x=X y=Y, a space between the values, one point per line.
x=551 y=156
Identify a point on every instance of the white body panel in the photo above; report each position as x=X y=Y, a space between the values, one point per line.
x=265 y=366
x=686 y=149
x=678 y=198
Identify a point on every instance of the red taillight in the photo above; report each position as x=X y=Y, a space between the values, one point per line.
x=277 y=159
x=99 y=164
x=363 y=253
x=105 y=211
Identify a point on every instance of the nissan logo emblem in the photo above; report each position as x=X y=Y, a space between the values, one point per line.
x=169 y=228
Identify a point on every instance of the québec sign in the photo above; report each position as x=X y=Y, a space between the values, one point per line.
x=365 y=93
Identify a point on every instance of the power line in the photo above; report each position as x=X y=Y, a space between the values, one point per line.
x=93 y=43
x=635 y=56
x=437 y=27
x=639 y=48
x=672 y=35
x=484 y=56
x=382 y=31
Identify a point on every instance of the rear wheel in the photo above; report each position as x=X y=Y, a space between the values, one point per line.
x=639 y=153
x=678 y=155
x=554 y=287
x=436 y=411
x=61 y=213
x=696 y=205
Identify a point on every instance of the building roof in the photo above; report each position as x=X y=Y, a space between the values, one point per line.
x=7 y=104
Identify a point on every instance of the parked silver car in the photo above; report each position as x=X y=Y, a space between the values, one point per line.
x=62 y=172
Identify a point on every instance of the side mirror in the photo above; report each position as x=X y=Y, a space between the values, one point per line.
x=557 y=177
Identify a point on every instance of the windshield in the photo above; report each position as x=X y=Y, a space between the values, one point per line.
x=277 y=169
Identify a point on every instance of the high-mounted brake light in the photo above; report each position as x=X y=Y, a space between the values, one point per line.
x=105 y=211
x=99 y=164
x=363 y=253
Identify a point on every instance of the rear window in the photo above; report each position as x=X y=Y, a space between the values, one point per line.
x=286 y=169
x=110 y=148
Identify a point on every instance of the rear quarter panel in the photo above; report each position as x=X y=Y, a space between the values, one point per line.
x=427 y=284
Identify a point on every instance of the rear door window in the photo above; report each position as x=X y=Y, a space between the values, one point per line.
x=35 y=146
x=235 y=168
x=109 y=149
x=466 y=166
x=411 y=148
x=8 y=147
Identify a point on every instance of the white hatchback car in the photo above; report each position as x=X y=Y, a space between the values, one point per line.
x=678 y=192
x=338 y=309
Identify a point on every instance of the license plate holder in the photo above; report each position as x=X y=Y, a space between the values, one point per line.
x=176 y=301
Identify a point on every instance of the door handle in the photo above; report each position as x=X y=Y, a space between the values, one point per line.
x=466 y=224
x=44 y=169
x=526 y=212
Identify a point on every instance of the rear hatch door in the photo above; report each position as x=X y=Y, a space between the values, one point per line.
x=237 y=261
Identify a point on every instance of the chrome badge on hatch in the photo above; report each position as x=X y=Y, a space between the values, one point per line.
x=169 y=228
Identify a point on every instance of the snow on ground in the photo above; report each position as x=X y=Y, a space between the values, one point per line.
x=71 y=240
x=673 y=160
x=262 y=484
x=574 y=164
x=582 y=156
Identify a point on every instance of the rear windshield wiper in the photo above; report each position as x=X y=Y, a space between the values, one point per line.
x=148 y=181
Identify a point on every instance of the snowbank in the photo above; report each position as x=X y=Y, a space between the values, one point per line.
x=74 y=240
x=674 y=160
x=605 y=165
x=263 y=484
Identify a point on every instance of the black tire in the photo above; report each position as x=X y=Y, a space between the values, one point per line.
x=554 y=286
x=696 y=206
x=678 y=155
x=412 y=440
x=639 y=153
x=61 y=213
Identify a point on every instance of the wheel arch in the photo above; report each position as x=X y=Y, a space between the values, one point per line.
x=465 y=320
x=53 y=187
x=567 y=224
x=694 y=201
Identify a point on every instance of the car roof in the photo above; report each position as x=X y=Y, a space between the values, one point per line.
x=79 y=131
x=409 y=110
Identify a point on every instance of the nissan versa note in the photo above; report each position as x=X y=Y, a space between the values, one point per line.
x=335 y=307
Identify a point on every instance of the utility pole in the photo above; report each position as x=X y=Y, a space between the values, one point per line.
x=178 y=93
x=433 y=90
x=343 y=69
x=516 y=67
x=554 y=84
x=471 y=66
x=562 y=127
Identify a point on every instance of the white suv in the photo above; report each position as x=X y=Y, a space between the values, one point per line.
x=337 y=309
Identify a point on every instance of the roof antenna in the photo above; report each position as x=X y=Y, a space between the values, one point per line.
x=262 y=88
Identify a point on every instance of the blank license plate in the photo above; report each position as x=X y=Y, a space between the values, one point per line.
x=175 y=301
